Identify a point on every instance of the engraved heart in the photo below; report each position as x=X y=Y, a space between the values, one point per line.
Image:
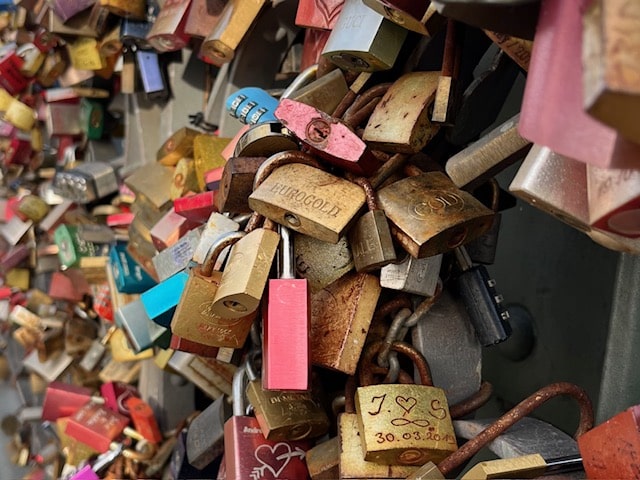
x=274 y=458
x=329 y=10
x=406 y=403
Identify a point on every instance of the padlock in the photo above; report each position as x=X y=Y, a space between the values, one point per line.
x=363 y=40
x=63 y=119
x=247 y=454
x=143 y=419
x=235 y=21
x=237 y=184
x=251 y=105
x=205 y=438
x=609 y=450
x=177 y=257
x=487 y=157
x=71 y=246
x=263 y=140
x=128 y=276
x=412 y=275
x=447 y=322
x=307 y=199
x=216 y=226
x=33 y=59
x=526 y=437
x=91 y=119
x=136 y=9
x=63 y=400
x=370 y=237
x=318 y=15
x=285 y=415
x=340 y=317
x=95 y=353
x=390 y=439
x=84 y=54
x=15 y=229
x=169 y=229
x=352 y=464
x=515 y=17
x=11 y=79
x=483 y=249
x=203 y=16
x=167 y=33
x=207 y=155
x=142 y=333
x=96 y=426
x=87 y=182
x=184 y=178
x=199 y=372
x=433 y=214
x=323 y=460
x=20 y=115
x=420 y=17
x=400 y=122
x=160 y=301
x=613 y=200
x=528 y=466
x=212 y=180
x=324 y=93
x=197 y=208
x=177 y=146
x=189 y=346
x=115 y=371
x=321 y=263
x=180 y=466
x=245 y=275
x=151 y=74
x=134 y=32
x=153 y=182
x=32 y=207
x=554 y=84
x=610 y=85
x=484 y=305
x=195 y=319
x=327 y=137
x=66 y=9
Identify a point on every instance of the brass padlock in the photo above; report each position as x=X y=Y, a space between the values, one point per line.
x=434 y=215
x=285 y=415
x=400 y=122
x=245 y=276
x=370 y=237
x=237 y=184
x=207 y=155
x=306 y=199
x=403 y=424
x=321 y=263
x=194 y=318
x=177 y=146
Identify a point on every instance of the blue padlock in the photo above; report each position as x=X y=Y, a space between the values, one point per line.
x=129 y=276
x=252 y=105
x=160 y=302
x=141 y=332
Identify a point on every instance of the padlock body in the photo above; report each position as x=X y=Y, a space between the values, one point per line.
x=341 y=314
x=321 y=263
x=363 y=40
x=167 y=33
x=352 y=463
x=205 y=437
x=286 y=335
x=286 y=415
x=314 y=15
x=400 y=122
x=247 y=454
x=433 y=213
x=195 y=320
x=245 y=276
x=308 y=201
x=237 y=184
x=371 y=242
x=404 y=424
x=417 y=16
x=413 y=275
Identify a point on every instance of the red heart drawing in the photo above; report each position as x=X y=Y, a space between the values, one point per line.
x=274 y=458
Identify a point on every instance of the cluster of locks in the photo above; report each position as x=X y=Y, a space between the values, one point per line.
x=292 y=285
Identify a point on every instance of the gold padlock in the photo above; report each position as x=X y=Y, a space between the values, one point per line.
x=305 y=198
x=403 y=424
x=177 y=146
x=207 y=155
x=194 y=319
x=184 y=178
x=433 y=215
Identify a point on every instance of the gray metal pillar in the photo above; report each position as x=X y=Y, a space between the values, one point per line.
x=620 y=386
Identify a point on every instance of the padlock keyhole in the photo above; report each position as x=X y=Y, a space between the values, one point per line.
x=235 y=306
x=292 y=219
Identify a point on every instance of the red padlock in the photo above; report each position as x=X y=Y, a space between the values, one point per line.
x=115 y=395
x=144 y=421
x=11 y=79
x=168 y=31
x=62 y=399
x=96 y=425
x=196 y=208
x=318 y=14
x=184 y=345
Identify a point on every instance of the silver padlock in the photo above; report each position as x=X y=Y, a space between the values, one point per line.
x=413 y=275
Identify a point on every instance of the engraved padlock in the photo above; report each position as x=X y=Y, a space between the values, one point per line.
x=167 y=33
x=433 y=214
x=363 y=40
x=341 y=314
x=370 y=237
x=248 y=454
x=322 y=263
x=307 y=199
x=285 y=415
x=404 y=424
x=401 y=121
x=195 y=319
x=205 y=436
x=412 y=275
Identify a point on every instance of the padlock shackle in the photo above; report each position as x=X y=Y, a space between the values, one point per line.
x=366 y=102
x=472 y=403
x=518 y=412
x=287 y=257
x=369 y=192
x=355 y=87
x=278 y=160
x=422 y=366
x=237 y=390
x=305 y=77
x=216 y=249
